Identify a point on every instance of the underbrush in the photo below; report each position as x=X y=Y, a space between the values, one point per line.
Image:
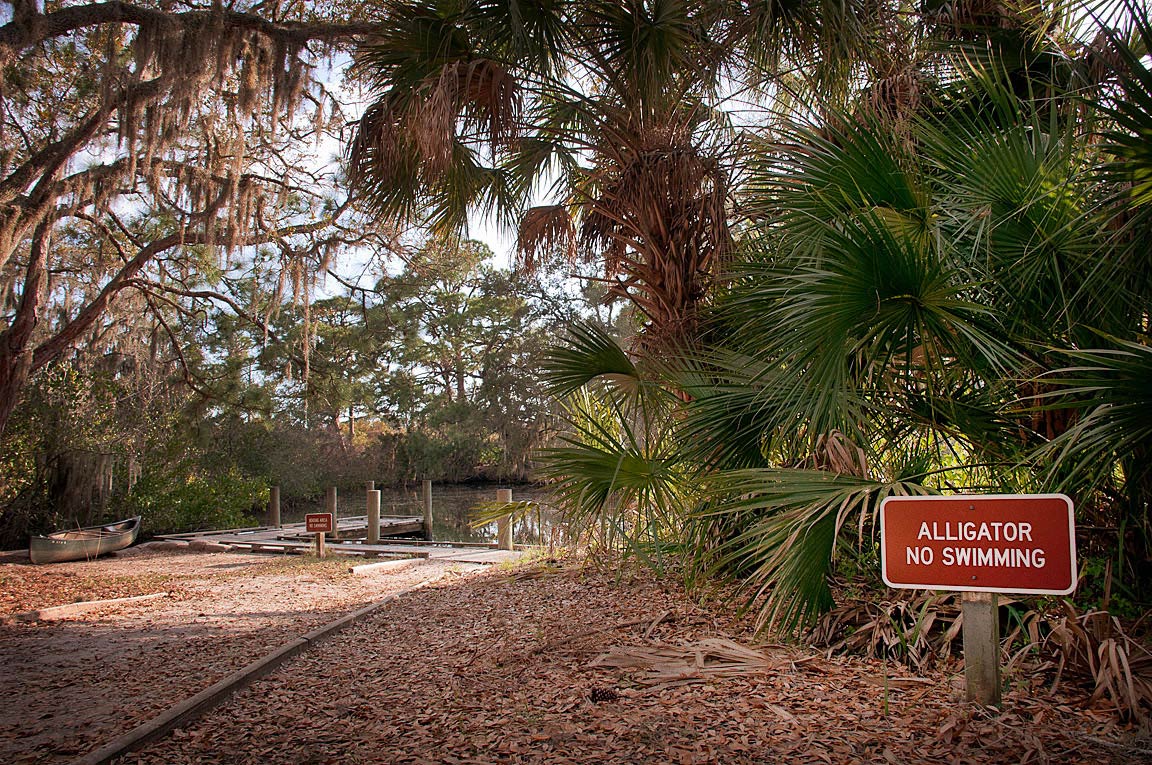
x=199 y=501
x=1110 y=659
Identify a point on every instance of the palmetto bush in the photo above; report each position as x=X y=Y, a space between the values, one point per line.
x=955 y=302
x=619 y=473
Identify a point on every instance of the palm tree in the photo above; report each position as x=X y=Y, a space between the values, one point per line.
x=936 y=298
x=622 y=110
x=949 y=305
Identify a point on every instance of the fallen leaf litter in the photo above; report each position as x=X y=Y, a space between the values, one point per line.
x=580 y=666
x=70 y=685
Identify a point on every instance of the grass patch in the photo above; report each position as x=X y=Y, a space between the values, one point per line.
x=333 y=567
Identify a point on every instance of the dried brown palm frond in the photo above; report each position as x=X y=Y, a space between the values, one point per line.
x=897 y=80
x=381 y=141
x=713 y=657
x=430 y=120
x=658 y=219
x=921 y=628
x=467 y=100
x=837 y=453
x=895 y=97
x=1094 y=646
x=1104 y=58
x=414 y=142
x=916 y=628
x=546 y=231
x=494 y=100
x=652 y=210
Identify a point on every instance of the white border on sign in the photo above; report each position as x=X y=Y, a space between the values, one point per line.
x=968 y=498
x=331 y=523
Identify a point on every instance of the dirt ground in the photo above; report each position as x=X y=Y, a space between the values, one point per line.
x=70 y=685
x=554 y=663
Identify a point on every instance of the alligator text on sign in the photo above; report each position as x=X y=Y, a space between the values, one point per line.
x=988 y=543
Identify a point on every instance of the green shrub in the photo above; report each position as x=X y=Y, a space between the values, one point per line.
x=220 y=500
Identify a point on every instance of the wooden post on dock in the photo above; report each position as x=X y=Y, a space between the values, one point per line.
x=373 y=517
x=330 y=507
x=370 y=485
x=504 y=524
x=428 y=510
x=274 y=507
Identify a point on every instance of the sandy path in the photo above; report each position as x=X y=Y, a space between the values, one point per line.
x=483 y=668
x=497 y=669
x=68 y=686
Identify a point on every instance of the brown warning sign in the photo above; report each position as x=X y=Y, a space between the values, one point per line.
x=318 y=522
x=1022 y=543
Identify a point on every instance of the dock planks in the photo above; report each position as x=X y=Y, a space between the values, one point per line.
x=293 y=538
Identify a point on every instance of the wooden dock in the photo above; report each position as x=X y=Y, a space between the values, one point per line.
x=350 y=540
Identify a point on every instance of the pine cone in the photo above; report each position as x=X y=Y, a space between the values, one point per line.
x=604 y=694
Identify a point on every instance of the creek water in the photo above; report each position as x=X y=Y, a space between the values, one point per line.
x=453 y=507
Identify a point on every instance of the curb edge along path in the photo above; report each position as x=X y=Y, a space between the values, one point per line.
x=72 y=609
x=190 y=709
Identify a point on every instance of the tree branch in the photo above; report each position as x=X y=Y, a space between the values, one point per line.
x=191 y=379
x=15 y=360
x=151 y=286
x=27 y=30
x=66 y=336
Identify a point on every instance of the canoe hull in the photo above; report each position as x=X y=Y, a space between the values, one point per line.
x=84 y=544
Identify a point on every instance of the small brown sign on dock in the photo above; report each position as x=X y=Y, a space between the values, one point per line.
x=320 y=523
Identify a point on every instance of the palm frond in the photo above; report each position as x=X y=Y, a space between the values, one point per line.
x=791 y=520
x=1131 y=138
x=546 y=231
x=622 y=480
x=817 y=177
x=1015 y=199
x=588 y=353
x=727 y=420
x=485 y=513
x=1110 y=386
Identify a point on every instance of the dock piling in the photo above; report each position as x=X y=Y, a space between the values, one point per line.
x=373 y=516
x=504 y=524
x=274 y=507
x=428 y=509
x=330 y=507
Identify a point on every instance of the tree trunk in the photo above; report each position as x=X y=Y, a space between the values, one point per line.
x=15 y=349
x=447 y=379
x=1136 y=541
